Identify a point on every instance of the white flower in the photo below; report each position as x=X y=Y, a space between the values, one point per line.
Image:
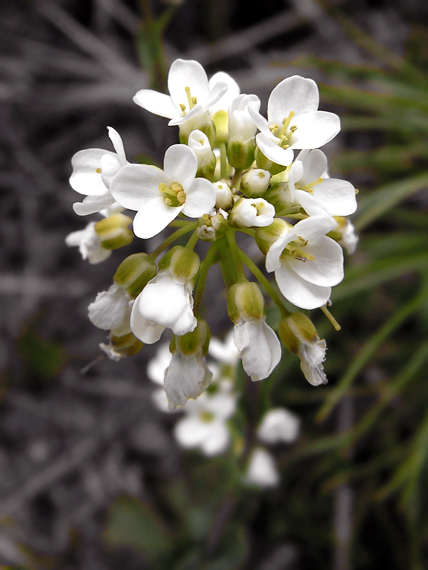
x=262 y=470
x=311 y=358
x=93 y=170
x=316 y=193
x=200 y=144
x=294 y=121
x=278 y=426
x=204 y=423
x=306 y=262
x=159 y=363
x=259 y=347
x=158 y=195
x=191 y=94
x=186 y=377
x=162 y=303
x=252 y=212
x=224 y=195
x=229 y=96
x=89 y=244
x=111 y=310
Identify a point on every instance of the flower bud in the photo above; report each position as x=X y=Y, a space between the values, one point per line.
x=266 y=236
x=251 y=212
x=135 y=272
x=221 y=123
x=224 y=195
x=122 y=346
x=114 y=231
x=296 y=329
x=199 y=143
x=193 y=343
x=255 y=182
x=241 y=154
x=184 y=264
x=245 y=302
x=212 y=227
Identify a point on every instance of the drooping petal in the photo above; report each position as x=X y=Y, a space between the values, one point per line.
x=180 y=164
x=111 y=310
x=93 y=204
x=263 y=351
x=157 y=103
x=144 y=329
x=86 y=175
x=296 y=94
x=185 y=378
x=314 y=129
x=299 y=291
x=200 y=198
x=337 y=197
x=273 y=151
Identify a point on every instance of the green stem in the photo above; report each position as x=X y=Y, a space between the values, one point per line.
x=236 y=179
x=173 y=237
x=223 y=160
x=265 y=283
x=202 y=275
x=236 y=256
x=193 y=240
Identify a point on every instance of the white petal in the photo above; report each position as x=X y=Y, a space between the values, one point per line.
x=311 y=206
x=273 y=151
x=110 y=166
x=273 y=260
x=111 y=310
x=233 y=90
x=296 y=94
x=135 y=184
x=85 y=179
x=278 y=426
x=147 y=331
x=185 y=378
x=314 y=165
x=241 y=335
x=326 y=269
x=158 y=364
x=262 y=469
x=116 y=139
x=187 y=73
x=218 y=439
x=180 y=164
x=154 y=216
x=200 y=198
x=315 y=226
x=93 y=204
x=299 y=291
x=190 y=431
x=262 y=353
x=314 y=129
x=337 y=197
x=157 y=103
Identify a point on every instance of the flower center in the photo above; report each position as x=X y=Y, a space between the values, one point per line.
x=191 y=101
x=296 y=249
x=174 y=195
x=259 y=206
x=285 y=131
x=207 y=417
x=309 y=187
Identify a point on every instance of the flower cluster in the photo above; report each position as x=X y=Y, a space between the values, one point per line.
x=234 y=171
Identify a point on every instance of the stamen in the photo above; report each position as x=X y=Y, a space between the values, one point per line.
x=173 y=196
x=98 y=170
x=191 y=100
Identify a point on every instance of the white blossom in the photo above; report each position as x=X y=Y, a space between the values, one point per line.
x=306 y=262
x=89 y=244
x=159 y=196
x=252 y=212
x=293 y=121
x=185 y=378
x=349 y=238
x=278 y=426
x=262 y=470
x=111 y=310
x=162 y=303
x=93 y=170
x=259 y=347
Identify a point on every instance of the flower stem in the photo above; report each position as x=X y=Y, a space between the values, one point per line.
x=235 y=251
x=202 y=275
x=223 y=160
x=173 y=237
x=265 y=283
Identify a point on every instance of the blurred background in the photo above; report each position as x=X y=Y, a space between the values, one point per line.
x=91 y=477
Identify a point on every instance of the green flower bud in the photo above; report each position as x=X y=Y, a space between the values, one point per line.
x=126 y=345
x=114 y=231
x=241 y=154
x=212 y=227
x=184 y=264
x=266 y=236
x=193 y=343
x=221 y=124
x=165 y=261
x=135 y=272
x=245 y=302
x=255 y=182
x=297 y=329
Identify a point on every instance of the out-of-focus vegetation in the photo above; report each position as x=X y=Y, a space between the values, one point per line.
x=91 y=475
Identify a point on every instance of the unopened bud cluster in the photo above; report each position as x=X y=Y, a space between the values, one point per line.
x=232 y=171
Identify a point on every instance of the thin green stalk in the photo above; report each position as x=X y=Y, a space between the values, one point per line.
x=235 y=251
x=172 y=238
x=202 y=275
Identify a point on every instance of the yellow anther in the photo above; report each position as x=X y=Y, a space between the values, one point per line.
x=98 y=170
x=293 y=128
x=183 y=107
x=286 y=123
x=168 y=201
x=207 y=417
x=309 y=187
x=174 y=196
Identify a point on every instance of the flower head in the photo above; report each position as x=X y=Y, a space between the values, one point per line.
x=89 y=244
